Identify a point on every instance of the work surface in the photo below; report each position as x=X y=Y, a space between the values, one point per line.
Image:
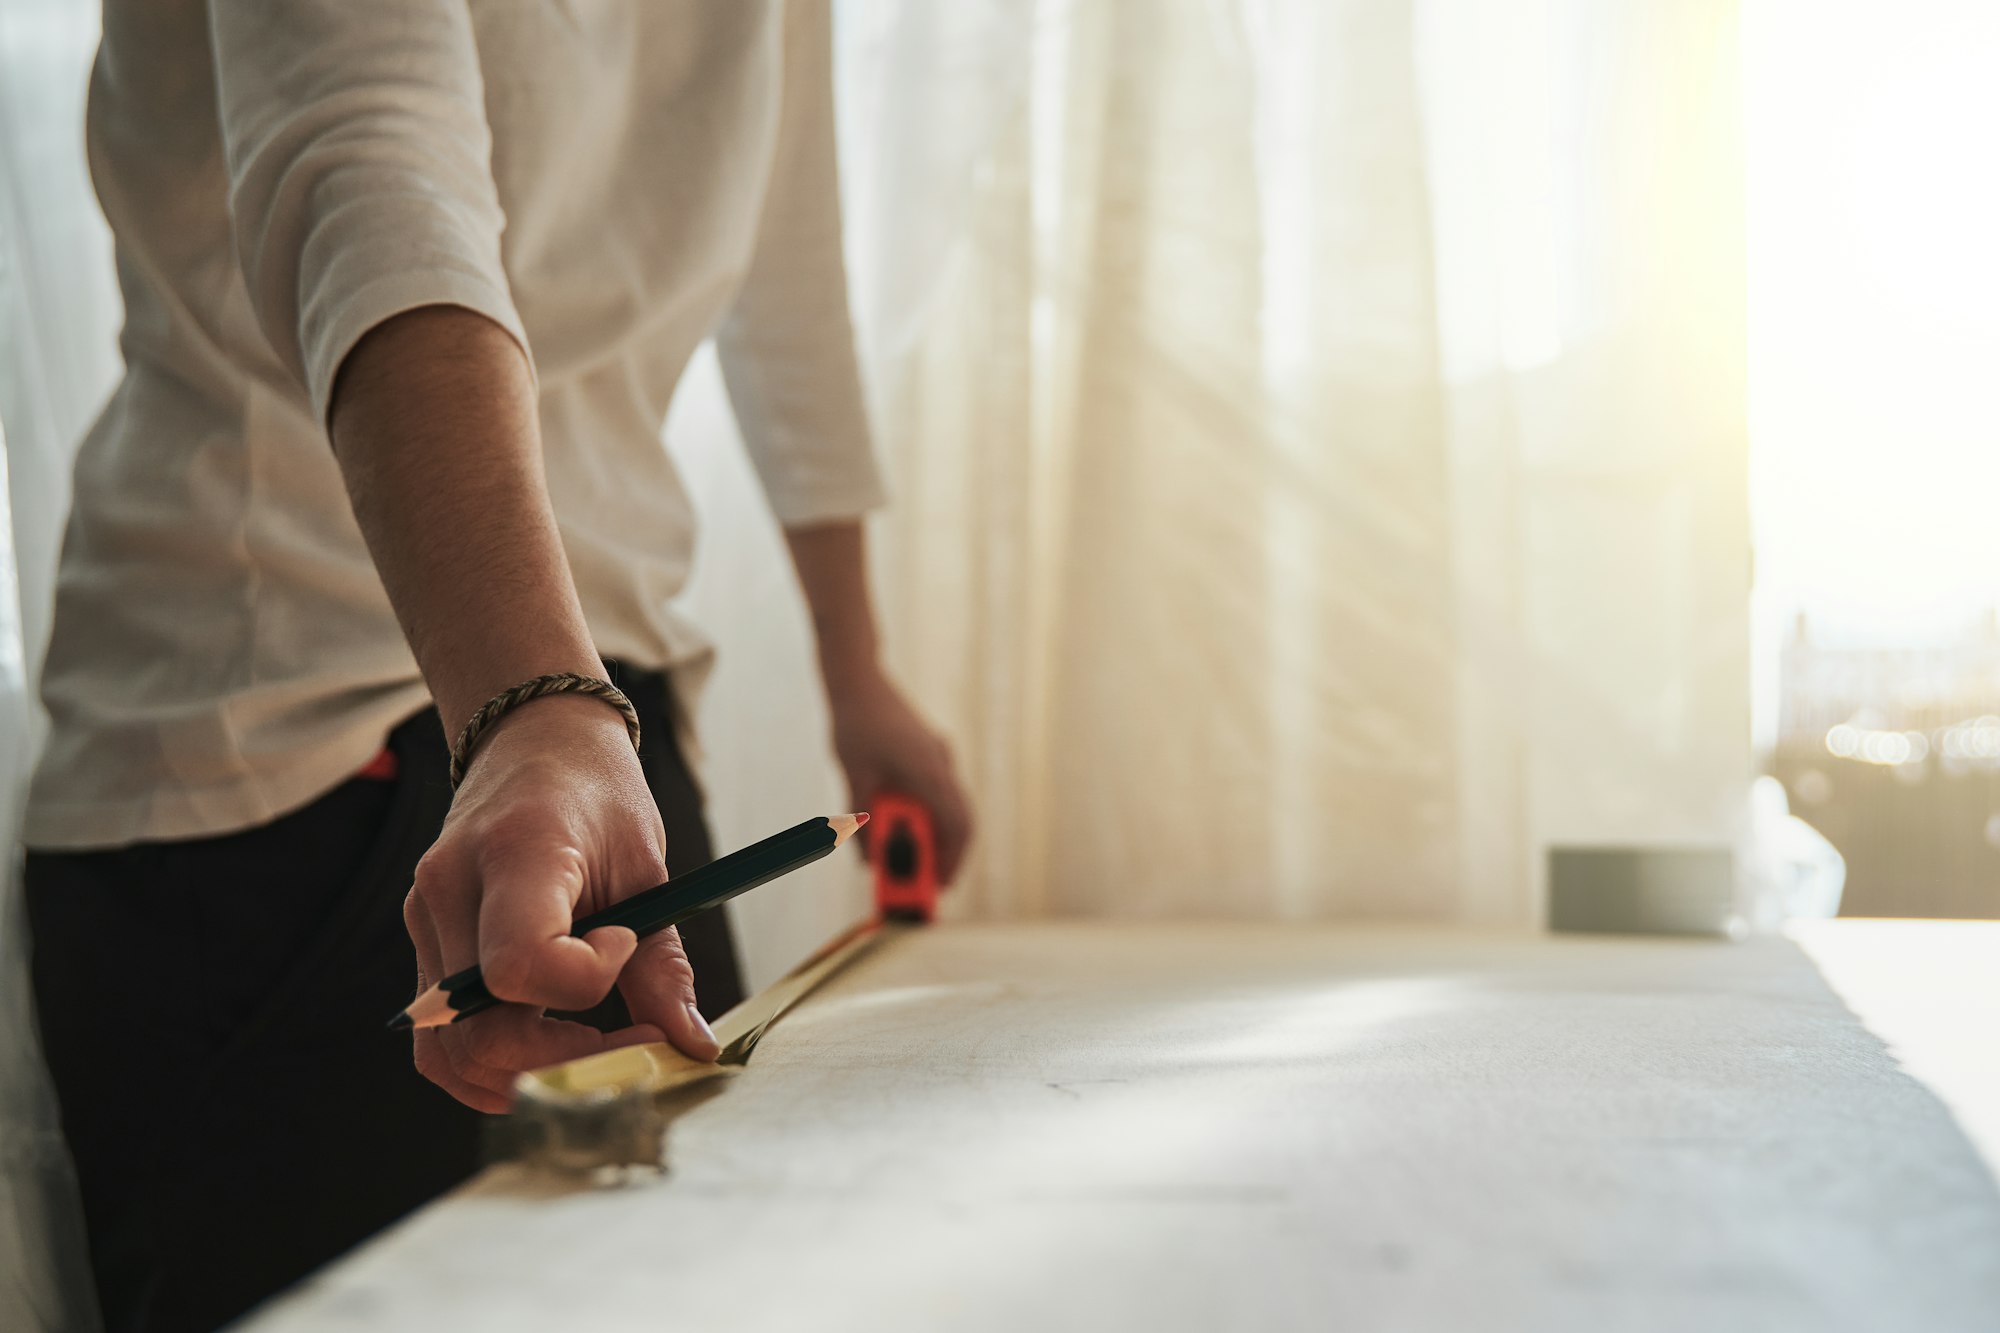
x=1170 y=1127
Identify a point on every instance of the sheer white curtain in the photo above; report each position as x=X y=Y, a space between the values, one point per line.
x=1318 y=430
x=58 y=357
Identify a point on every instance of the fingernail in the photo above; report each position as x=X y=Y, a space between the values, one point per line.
x=701 y=1025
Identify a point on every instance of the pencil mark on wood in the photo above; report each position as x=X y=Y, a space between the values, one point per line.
x=1069 y=1087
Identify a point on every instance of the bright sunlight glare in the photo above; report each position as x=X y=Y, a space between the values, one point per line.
x=1874 y=268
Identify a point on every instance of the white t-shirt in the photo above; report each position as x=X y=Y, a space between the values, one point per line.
x=611 y=181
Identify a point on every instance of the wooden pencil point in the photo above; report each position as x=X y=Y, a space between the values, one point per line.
x=432 y=1009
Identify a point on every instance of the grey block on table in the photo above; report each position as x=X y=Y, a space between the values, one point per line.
x=1643 y=890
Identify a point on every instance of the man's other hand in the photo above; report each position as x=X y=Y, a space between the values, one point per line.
x=884 y=744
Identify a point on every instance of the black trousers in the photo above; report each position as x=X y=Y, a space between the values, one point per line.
x=212 y=1012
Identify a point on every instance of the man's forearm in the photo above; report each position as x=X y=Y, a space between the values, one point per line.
x=434 y=424
x=832 y=564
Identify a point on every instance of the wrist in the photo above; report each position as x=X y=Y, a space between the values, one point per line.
x=477 y=675
x=563 y=713
x=852 y=678
x=548 y=745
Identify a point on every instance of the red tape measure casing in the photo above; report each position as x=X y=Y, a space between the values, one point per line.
x=903 y=851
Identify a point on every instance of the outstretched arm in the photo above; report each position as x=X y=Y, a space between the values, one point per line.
x=787 y=352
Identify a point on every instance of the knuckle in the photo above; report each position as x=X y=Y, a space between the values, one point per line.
x=438 y=874
x=431 y=1061
x=463 y=1065
x=485 y=1046
x=668 y=959
x=640 y=827
x=678 y=972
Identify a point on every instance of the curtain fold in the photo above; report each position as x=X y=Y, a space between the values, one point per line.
x=1318 y=436
x=58 y=357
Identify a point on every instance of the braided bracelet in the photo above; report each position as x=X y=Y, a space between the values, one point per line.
x=505 y=702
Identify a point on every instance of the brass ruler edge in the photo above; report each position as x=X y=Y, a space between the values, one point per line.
x=657 y=1067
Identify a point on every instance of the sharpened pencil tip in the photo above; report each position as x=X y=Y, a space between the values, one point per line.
x=399 y=1022
x=845 y=826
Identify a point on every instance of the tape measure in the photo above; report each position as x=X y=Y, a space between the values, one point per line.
x=903 y=850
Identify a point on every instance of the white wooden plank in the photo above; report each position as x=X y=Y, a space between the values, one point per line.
x=1152 y=1126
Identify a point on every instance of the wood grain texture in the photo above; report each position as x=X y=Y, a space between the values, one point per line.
x=1089 y=1126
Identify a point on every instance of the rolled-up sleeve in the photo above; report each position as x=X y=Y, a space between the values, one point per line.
x=787 y=344
x=360 y=170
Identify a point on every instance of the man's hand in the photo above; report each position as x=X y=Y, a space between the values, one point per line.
x=884 y=744
x=554 y=821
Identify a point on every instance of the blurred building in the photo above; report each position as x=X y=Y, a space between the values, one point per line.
x=1894 y=755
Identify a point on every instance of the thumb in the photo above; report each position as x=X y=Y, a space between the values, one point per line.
x=526 y=953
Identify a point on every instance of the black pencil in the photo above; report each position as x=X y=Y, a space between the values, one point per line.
x=463 y=994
